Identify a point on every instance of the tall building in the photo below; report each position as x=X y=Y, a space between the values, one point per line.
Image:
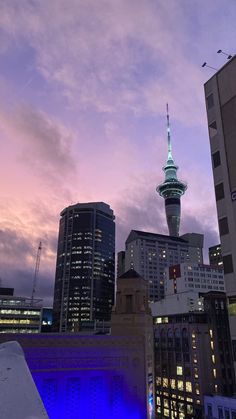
x=171 y=189
x=215 y=255
x=85 y=268
x=192 y=358
x=220 y=94
x=149 y=254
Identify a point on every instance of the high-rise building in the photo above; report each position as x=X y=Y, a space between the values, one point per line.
x=149 y=254
x=171 y=189
x=215 y=255
x=85 y=269
x=220 y=94
x=193 y=358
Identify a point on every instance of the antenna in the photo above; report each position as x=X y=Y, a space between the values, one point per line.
x=36 y=271
x=229 y=56
x=209 y=66
x=168 y=131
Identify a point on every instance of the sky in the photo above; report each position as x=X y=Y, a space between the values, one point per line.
x=83 y=93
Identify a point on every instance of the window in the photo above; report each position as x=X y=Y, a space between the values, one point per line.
x=223 y=226
x=212 y=129
x=228 y=264
x=227 y=414
x=216 y=159
x=220 y=413
x=179 y=370
x=209 y=411
x=219 y=191
x=210 y=101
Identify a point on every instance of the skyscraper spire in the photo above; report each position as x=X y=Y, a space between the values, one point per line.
x=168 y=133
x=172 y=188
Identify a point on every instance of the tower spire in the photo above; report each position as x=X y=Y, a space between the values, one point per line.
x=168 y=134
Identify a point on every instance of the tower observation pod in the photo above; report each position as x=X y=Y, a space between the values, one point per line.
x=171 y=189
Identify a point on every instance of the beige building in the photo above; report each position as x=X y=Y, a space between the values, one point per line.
x=220 y=93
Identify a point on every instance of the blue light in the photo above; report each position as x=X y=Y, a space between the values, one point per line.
x=88 y=394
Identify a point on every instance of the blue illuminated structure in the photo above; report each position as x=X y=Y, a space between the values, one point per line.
x=171 y=189
x=98 y=376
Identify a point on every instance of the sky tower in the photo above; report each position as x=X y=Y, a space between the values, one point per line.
x=172 y=188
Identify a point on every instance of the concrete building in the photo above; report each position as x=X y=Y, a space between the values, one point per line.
x=19 y=314
x=85 y=269
x=196 y=277
x=171 y=189
x=98 y=376
x=220 y=407
x=193 y=357
x=149 y=254
x=220 y=94
x=215 y=256
x=186 y=302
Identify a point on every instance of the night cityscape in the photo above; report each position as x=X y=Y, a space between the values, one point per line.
x=117 y=209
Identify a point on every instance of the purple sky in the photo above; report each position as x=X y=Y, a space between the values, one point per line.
x=83 y=90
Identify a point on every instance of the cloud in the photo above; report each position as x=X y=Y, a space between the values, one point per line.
x=45 y=143
x=111 y=56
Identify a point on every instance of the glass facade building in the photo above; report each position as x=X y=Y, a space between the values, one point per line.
x=85 y=269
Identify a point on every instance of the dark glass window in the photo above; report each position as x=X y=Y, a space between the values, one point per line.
x=210 y=101
x=216 y=159
x=220 y=413
x=228 y=264
x=209 y=411
x=223 y=226
x=219 y=191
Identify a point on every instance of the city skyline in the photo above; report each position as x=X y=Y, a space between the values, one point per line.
x=83 y=119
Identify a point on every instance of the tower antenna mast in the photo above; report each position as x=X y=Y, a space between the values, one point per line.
x=36 y=271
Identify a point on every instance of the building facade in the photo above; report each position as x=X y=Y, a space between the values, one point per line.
x=149 y=254
x=215 y=256
x=120 y=263
x=220 y=407
x=193 y=277
x=220 y=94
x=19 y=314
x=193 y=357
x=85 y=268
x=98 y=376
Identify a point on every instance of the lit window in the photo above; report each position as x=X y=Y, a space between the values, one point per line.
x=180 y=385
x=179 y=370
x=212 y=345
x=165 y=382
x=213 y=359
x=214 y=372
x=172 y=383
x=188 y=386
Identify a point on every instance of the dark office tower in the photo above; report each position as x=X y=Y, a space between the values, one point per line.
x=215 y=255
x=85 y=270
x=171 y=189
